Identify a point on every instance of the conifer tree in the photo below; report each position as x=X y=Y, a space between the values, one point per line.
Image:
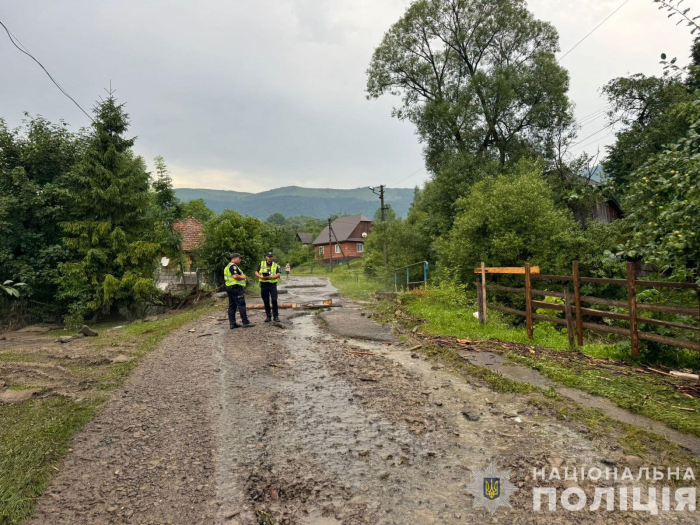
x=108 y=229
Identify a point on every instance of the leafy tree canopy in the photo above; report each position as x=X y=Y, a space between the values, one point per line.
x=230 y=232
x=474 y=76
x=277 y=219
x=662 y=208
x=510 y=220
x=196 y=208
x=33 y=159
x=653 y=112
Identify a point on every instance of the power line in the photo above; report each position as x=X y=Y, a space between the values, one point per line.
x=590 y=118
x=596 y=141
x=592 y=31
x=592 y=135
x=24 y=50
x=406 y=178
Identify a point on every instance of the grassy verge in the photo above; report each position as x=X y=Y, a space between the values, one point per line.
x=645 y=394
x=350 y=280
x=35 y=434
x=446 y=319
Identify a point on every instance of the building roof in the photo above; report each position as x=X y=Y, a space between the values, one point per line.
x=305 y=238
x=342 y=228
x=191 y=230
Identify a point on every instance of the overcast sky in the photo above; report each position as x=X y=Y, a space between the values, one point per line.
x=250 y=96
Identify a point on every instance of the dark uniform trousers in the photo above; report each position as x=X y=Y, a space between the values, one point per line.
x=236 y=301
x=269 y=293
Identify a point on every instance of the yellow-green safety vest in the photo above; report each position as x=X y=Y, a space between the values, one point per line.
x=274 y=270
x=228 y=277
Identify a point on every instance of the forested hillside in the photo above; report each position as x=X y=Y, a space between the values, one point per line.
x=320 y=203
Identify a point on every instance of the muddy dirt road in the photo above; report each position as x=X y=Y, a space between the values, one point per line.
x=311 y=425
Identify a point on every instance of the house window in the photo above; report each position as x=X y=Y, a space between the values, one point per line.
x=320 y=250
x=337 y=248
x=360 y=247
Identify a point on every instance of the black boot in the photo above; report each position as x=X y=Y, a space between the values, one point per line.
x=268 y=319
x=248 y=325
x=234 y=325
x=277 y=319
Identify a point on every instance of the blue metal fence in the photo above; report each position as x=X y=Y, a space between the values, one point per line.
x=424 y=282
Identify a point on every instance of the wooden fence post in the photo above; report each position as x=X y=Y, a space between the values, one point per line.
x=577 y=300
x=632 y=300
x=568 y=316
x=483 y=291
x=528 y=302
x=480 y=302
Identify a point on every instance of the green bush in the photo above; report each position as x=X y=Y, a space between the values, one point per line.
x=510 y=220
x=227 y=233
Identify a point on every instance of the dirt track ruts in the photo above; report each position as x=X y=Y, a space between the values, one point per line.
x=295 y=426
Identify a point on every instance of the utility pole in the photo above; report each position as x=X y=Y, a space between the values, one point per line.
x=342 y=252
x=330 y=244
x=381 y=198
x=383 y=209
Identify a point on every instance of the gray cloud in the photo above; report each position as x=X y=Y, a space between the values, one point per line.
x=254 y=95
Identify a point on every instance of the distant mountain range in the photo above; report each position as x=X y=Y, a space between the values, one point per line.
x=293 y=200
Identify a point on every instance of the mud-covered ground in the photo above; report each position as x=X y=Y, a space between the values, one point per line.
x=305 y=426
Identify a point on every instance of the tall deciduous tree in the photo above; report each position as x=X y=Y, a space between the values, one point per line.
x=474 y=76
x=108 y=229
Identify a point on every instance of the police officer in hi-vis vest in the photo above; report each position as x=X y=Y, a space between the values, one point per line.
x=235 y=281
x=269 y=275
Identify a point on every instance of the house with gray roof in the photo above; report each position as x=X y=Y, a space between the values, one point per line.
x=305 y=238
x=344 y=241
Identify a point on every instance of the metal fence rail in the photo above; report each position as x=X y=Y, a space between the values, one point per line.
x=424 y=282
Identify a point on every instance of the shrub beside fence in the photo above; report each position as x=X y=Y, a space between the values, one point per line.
x=574 y=311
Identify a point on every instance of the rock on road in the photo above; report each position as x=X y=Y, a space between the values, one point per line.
x=310 y=425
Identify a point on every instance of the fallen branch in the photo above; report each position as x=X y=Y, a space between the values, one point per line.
x=684 y=375
x=658 y=371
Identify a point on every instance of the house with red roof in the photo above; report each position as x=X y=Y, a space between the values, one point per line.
x=192 y=234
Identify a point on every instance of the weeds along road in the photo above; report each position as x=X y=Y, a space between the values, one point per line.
x=312 y=425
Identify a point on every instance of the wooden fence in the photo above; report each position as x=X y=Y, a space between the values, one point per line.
x=574 y=311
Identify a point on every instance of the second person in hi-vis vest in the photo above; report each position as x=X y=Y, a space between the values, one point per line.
x=269 y=275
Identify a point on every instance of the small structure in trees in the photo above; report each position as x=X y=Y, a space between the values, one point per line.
x=305 y=238
x=172 y=274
